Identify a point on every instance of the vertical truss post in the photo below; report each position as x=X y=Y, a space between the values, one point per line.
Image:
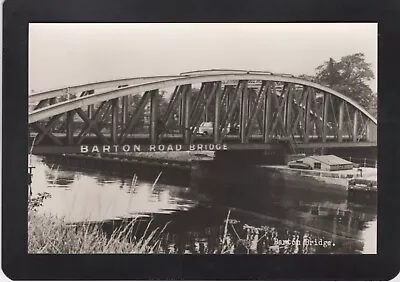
x=124 y=110
x=153 y=116
x=90 y=111
x=288 y=111
x=340 y=127
x=355 y=125
x=244 y=112
x=217 y=113
x=325 y=117
x=228 y=99
x=250 y=101
x=307 y=116
x=186 y=97
x=267 y=117
x=181 y=112
x=70 y=127
x=225 y=93
x=205 y=105
x=114 y=120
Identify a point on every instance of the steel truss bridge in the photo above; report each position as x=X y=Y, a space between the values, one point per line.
x=249 y=109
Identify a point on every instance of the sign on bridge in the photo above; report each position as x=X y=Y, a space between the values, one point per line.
x=151 y=148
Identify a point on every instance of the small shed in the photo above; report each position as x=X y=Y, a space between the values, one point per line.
x=325 y=162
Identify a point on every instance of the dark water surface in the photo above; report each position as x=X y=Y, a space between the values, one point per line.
x=196 y=215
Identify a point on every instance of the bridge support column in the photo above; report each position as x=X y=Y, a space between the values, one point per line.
x=217 y=114
x=124 y=110
x=228 y=99
x=186 y=115
x=243 y=112
x=154 y=116
x=181 y=112
x=288 y=112
x=307 y=124
x=267 y=117
x=325 y=117
x=70 y=127
x=90 y=111
x=114 y=120
x=340 y=126
x=355 y=125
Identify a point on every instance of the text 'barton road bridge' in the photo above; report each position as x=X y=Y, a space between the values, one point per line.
x=242 y=109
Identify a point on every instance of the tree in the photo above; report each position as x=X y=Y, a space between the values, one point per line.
x=348 y=76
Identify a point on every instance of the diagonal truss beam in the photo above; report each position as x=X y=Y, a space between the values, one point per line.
x=91 y=124
x=232 y=107
x=46 y=130
x=300 y=112
x=197 y=109
x=258 y=105
x=204 y=105
x=134 y=117
x=174 y=99
x=280 y=107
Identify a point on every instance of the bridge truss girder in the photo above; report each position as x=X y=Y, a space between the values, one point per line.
x=274 y=111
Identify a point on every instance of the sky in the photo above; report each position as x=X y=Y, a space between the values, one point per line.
x=63 y=55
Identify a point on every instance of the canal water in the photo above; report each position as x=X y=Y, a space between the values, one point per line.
x=197 y=220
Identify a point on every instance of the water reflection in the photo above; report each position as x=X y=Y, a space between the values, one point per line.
x=92 y=196
x=246 y=233
x=262 y=219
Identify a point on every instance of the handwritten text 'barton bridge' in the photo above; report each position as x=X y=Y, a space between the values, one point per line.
x=240 y=109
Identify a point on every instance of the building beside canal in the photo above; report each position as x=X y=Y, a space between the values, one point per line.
x=325 y=162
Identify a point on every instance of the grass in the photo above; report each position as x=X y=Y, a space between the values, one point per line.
x=51 y=235
x=48 y=234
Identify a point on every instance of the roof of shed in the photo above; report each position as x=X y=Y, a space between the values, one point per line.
x=330 y=160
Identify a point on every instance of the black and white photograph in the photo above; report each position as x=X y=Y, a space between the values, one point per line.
x=202 y=138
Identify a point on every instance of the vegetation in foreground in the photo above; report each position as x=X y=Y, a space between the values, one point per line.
x=51 y=235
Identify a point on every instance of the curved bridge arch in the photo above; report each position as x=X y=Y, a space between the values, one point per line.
x=284 y=100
